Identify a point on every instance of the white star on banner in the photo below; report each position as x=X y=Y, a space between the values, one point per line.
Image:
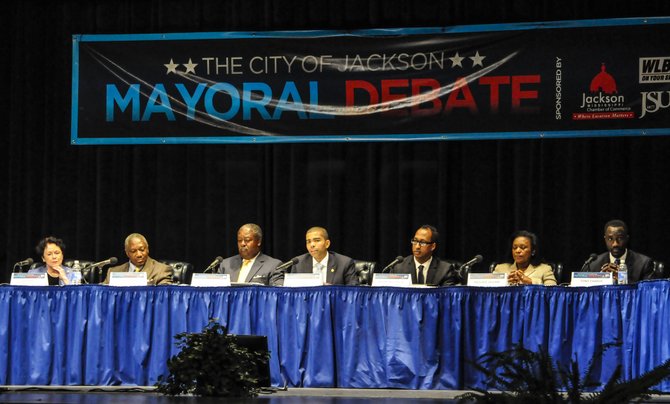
x=456 y=60
x=190 y=66
x=477 y=60
x=171 y=67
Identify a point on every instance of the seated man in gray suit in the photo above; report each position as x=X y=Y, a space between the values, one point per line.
x=137 y=250
x=250 y=265
x=423 y=265
x=640 y=266
x=335 y=269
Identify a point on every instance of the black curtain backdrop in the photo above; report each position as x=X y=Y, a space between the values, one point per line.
x=189 y=200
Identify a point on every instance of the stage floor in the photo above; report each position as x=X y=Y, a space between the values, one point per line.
x=138 y=395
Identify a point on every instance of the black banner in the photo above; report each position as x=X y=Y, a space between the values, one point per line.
x=589 y=78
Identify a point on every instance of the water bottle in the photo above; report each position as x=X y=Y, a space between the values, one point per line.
x=622 y=274
x=76 y=273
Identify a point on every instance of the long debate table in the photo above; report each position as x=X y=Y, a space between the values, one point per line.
x=353 y=337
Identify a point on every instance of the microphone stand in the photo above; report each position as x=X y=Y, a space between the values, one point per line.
x=585 y=267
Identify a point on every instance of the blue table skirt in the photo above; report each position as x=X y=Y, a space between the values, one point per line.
x=354 y=337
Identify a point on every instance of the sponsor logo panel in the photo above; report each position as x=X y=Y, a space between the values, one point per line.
x=655 y=70
x=603 y=100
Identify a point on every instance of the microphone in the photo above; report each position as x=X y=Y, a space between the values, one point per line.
x=24 y=263
x=592 y=258
x=108 y=261
x=476 y=259
x=214 y=264
x=287 y=264
x=397 y=260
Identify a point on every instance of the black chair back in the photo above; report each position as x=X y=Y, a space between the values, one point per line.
x=364 y=271
x=461 y=270
x=557 y=267
x=182 y=271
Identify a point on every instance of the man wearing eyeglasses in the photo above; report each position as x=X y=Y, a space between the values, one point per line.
x=425 y=268
x=640 y=266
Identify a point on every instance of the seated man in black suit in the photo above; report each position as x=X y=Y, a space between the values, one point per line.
x=424 y=267
x=640 y=266
x=335 y=269
x=250 y=265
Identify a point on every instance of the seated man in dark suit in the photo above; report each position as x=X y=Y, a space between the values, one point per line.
x=137 y=250
x=424 y=267
x=335 y=269
x=250 y=265
x=640 y=266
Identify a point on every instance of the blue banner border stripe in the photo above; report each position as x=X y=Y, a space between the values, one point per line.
x=374 y=138
x=374 y=32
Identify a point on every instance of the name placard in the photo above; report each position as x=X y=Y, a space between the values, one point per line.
x=302 y=279
x=591 y=279
x=210 y=280
x=488 y=280
x=395 y=280
x=128 y=279
x=25 y=279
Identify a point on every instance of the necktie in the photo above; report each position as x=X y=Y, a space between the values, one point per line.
x=318 y=268
x=138 y=269
x=617 y=261
x=420 y=277
x=244 y=271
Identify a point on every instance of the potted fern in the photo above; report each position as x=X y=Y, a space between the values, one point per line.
x=211 y=363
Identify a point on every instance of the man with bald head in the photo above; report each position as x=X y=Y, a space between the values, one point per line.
x=250 y=265
x=137 y=250
x=335 y=269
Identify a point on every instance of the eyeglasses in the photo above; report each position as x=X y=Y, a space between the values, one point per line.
x=421 y=243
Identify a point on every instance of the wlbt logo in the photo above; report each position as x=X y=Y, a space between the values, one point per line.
x=655 y=70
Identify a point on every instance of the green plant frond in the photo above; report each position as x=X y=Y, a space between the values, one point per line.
x=638 y=388
x=597 y=358
x=522 y=376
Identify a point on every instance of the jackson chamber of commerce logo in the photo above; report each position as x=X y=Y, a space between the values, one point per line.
x=603 y=100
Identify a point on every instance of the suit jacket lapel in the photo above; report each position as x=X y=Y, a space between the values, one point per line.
x=235 y=266
x=630 y=263
x=432 y=274
x=258 y=263
x=412 y=270
x=331 y=268
x=306 y=266
x=148 y=266
x=531 y=269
